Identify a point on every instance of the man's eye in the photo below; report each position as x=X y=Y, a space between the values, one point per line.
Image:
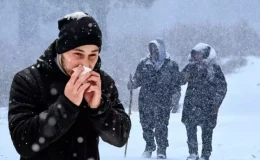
x=78 y=54
x=92 y=56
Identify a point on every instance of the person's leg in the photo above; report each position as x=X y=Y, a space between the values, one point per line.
x=207 y=134
x=161 y=130
x=147 y=123
x=192 y=141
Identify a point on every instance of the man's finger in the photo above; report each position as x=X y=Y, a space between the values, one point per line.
x=83 y=88
x=81 y=80
x=75 y=75
x=93 y=73
x=94 y=79
x=93 y=88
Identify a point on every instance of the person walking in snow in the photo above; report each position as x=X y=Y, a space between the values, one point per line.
x=159 y=79
x=57 y=109
x=177 y=95
x=206 y=90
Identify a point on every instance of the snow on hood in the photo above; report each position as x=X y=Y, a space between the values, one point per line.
x=161 y=47
x=201 y=47
x=76 y=15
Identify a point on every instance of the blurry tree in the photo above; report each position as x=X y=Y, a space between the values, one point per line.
x=245 y=38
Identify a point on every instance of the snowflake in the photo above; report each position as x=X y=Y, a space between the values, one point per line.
x=35 y=147
x=54 y=91
x=41 y=140
x=80 y=139
x=90 y=25
x=52 y=121
x=74 y=154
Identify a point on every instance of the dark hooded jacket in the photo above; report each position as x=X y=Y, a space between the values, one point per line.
x=45 y=125
x=158 y=80
x=206 y=89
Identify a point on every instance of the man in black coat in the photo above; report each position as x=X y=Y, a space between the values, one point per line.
x=58 y=113
x=206 y=90
x=159 y=79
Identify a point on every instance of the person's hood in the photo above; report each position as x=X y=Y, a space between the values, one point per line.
x=208 y=51
x=162 y=51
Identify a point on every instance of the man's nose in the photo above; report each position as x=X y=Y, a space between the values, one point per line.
x=85 y=63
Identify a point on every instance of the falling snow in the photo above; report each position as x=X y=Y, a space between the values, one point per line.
x=52 y=121
x=41 y=140
x=54 y=91
x=74 y=154
x=43 y=115
x=231 y=37
x=80 y=139
x=59 y=106
x=90 y=25
x=35 y=147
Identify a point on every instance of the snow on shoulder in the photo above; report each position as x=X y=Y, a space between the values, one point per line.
x=76 y=15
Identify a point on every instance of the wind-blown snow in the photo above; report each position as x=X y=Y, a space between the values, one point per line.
x=236 y=136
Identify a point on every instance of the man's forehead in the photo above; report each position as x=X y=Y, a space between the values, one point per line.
x=78 y=49
x=87 y=48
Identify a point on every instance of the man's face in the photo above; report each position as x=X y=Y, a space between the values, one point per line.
x=155 y=51
x=86 y=55
x=198 y=57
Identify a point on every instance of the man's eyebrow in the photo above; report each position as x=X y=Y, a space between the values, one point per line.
x=95 y=50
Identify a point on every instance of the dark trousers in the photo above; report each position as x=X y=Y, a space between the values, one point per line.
x=154 y=122
x=207 y=133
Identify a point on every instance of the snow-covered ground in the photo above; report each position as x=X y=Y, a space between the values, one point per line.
x=236 y=136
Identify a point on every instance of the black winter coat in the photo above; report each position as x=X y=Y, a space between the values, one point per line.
x=45 y=125
x=157 y=87
x=204 y=95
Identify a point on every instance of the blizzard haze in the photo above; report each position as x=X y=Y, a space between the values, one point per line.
x=231 y=27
